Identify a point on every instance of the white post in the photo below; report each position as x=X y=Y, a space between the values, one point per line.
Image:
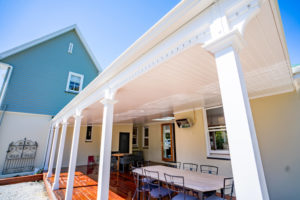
x=105 y=152
x=245 y=157
x=49 y=147
x=60 y=155
x=73 y=158
x=50 y=168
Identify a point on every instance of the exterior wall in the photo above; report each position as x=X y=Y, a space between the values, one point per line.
x=17 y=126
x=277 y=130
x=190 y=143
x=277 y=125
x=40 y=75
x=86 y=149
x=153 y=153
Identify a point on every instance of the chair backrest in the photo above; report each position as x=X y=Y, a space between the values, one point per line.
x=228 y=187
x=139 y=164
x=174 y=184
x=152 y=178
x=175 y=165
x=209 y=169
x=190 y=166
x=138 y=178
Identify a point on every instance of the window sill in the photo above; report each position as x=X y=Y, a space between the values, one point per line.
x=145 y=147
x=72 y=92
x=88 y=141
x=219 y=156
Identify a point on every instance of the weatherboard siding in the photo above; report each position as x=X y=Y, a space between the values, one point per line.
x=40 y=75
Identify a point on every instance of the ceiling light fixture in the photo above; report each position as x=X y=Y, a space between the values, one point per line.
x=164 y=119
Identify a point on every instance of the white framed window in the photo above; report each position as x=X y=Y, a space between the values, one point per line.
x=135 y=137
x=75 y=82
x=216 y=133
x=70 y=49
x=145 y=137
x=88 y=136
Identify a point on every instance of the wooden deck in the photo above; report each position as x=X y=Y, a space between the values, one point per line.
x=85 y=184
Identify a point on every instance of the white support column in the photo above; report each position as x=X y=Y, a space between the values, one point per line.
x=60 y=155
x=47 y=157
x=246 y=162
x=105 y=152
x=73 y=158
x=50 y=168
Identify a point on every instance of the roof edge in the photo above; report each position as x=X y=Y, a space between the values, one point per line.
x=50 y=36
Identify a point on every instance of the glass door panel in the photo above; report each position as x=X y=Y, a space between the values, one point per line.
x=167 y=142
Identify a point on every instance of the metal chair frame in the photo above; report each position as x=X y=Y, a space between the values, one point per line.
x=175 y=165
x=153 y=182
x=228 y=185
x=190 y=166
x=139 y=183
x=209 y=169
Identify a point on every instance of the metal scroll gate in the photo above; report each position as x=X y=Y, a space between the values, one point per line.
x=20 y=157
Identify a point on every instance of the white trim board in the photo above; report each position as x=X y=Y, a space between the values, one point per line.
x=40 y=40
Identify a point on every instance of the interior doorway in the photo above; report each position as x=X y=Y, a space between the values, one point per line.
x=124 y=142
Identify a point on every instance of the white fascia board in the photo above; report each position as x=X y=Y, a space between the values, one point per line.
x=48 y=37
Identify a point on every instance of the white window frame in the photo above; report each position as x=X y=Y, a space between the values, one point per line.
x=144 y=137
x=209 y=151
x=136 y=137
x=69 y=78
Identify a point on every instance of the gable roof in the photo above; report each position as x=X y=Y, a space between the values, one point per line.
x=38 y=41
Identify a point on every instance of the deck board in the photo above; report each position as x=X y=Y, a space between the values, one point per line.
x=85 y=188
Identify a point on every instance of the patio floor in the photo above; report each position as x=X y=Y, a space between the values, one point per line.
x=85 y=184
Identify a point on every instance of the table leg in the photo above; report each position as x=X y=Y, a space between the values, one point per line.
x=118 y=164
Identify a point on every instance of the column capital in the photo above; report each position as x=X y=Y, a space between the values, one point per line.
x=106 y=101
x=77 y=116
x=108 y=97
x=64 y=121
x=233 y=39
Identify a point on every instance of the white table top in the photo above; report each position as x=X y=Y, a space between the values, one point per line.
x=193 y=180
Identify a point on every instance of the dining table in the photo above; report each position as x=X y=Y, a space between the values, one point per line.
x=119 y=155
x=195 y=181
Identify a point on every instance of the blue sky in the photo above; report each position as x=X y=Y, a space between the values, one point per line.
x=109 y=26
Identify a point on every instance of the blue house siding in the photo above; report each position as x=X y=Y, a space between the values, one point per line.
x=40 y=75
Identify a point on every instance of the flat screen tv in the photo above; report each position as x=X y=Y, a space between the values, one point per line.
x=183 y=123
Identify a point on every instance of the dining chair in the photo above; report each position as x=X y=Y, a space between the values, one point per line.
x=142 y=163
x=190 y=166
x=176 y=188
x=140 y=184
x=175 y=165
x=209 y=169
x=153 y=183
x=226 y=191
x=113 y=163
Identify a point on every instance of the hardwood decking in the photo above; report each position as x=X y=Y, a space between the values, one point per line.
x=85 y=184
